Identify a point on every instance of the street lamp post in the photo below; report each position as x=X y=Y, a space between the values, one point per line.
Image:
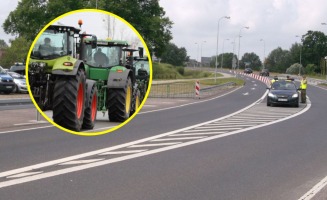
x=300 y=55
x=216 y=63
x=264 y=53
x=239 y=46
x=222 y=54
x=326 y=56
x=197 y=52
x=201 y=52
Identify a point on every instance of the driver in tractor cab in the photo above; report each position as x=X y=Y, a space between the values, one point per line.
x=46 y=48
x=142 y=71
x=100 y=58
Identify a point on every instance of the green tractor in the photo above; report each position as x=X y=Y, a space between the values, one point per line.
x=58 y=79
x=111 y=66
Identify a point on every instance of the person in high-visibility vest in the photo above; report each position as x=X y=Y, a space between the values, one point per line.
x=303 y=87
x=274 y=79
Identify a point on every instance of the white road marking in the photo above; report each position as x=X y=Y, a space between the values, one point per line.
x=77 y=162
x=204 y=133
x=24 y=174
x=151 y=106
x=315 y=190
x=153 y=145
x=246 y=93
x=199 y=129
x=122 y=152
x=173 y=139
x=25 y=129
x=113 y=160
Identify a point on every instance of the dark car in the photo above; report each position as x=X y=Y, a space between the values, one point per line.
x=248 y=71
x=283 y=92
x=7 y=83
x=264 y=72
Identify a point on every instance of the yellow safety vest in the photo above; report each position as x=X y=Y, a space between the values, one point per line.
x=304 y=84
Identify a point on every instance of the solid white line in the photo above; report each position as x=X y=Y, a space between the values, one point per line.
x=26 y=129
x=105 y=162
x=154 y=145
x=190 y=134
x=150 y=111
x=315 y=190
x=24 y=174
x=30 y=123
x=172 y=139
x=77 y=162
x=122 y=152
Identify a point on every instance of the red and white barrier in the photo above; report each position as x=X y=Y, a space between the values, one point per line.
x=197 y=89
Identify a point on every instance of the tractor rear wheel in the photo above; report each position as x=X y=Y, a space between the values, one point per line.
x=91 y=110
x=69 y=101
x=120 y=102
x=136 y=101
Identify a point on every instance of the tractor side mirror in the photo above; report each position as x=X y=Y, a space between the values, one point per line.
x=141 y=52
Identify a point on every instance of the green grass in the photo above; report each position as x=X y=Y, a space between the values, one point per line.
x=167 y=71
x=222 y=81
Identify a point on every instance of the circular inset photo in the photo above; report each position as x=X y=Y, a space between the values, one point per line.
x=88 y=72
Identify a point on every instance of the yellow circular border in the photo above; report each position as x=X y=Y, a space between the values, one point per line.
x=88 y=133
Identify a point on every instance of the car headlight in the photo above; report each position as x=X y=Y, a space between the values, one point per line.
x=271 y=95
x=296 y=95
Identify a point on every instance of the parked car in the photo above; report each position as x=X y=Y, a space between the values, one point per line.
x=7 y=83
x=248 y=71
x=18 y=68
x=283 y=92
x=20 y=82
x=264 y=72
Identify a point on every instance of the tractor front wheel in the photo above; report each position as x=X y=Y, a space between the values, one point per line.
x=120 y=102
x=91 y=110
x=69 y=101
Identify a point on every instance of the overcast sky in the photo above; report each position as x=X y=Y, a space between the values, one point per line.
x=277 y=22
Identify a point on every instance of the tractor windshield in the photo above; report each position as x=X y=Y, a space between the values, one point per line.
x=52 y=44
x=142 y=68
x=103 y=56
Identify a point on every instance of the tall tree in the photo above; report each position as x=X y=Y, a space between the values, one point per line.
x=279 y=60
x=253 y=60
x=147 y=16
x=17 y=52
x=174 y=55
x=3 y=44
x=314 y=47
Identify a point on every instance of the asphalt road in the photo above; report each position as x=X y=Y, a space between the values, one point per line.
x=188 y=152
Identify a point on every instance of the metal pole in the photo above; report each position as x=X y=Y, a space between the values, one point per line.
x=216 y=63
x=201 y=52
x=264 y=54
x=239 y=47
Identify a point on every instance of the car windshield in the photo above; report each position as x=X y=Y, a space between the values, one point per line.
x=51 y=45
x=103 y=56
x=283 y=86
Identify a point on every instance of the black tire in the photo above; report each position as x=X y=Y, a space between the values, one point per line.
x=91 y=110
x=118 y=110
x=136 y=101
x=69 y=101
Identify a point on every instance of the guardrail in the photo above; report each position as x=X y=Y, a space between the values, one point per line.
x=185 y=89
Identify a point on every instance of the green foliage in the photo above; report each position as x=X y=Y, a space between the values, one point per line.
x=3 y=44
x=295 y=69
x=311 y=69
x=278 y=60
x=253 y=61
x=146 y=16
x=167 y=71
x=314 y=47
x=226 y=58
x=17 y=52
x=174 y=55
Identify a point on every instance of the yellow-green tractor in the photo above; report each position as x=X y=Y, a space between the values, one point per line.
x=58 y=79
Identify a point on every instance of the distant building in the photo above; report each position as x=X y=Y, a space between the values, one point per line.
x=205 y=61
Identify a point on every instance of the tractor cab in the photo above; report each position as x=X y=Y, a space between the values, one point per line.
x=56 y=41
x=107 y=54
